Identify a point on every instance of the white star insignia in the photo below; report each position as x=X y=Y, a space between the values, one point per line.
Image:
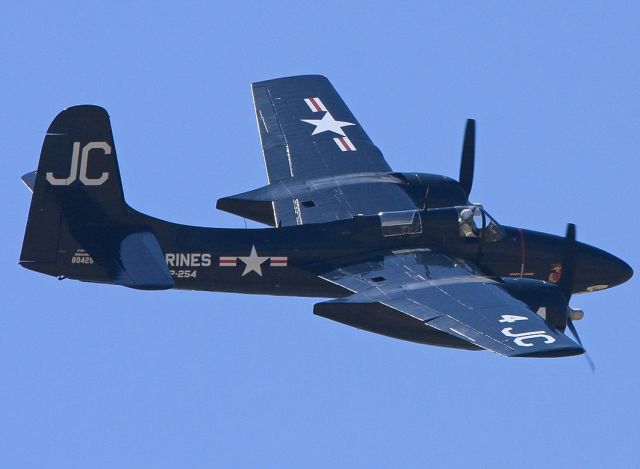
x=327 y=123
x=253 y=262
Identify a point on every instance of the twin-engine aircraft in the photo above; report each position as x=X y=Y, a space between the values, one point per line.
x=405 y=255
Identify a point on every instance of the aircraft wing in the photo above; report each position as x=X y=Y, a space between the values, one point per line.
x=445 y=294
x=307 y=131
x=321 y=164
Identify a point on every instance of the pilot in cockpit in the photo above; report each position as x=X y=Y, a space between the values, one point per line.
x=468 y=227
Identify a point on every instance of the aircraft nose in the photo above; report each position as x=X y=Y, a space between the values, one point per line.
x=620 y=270
x=603 y=270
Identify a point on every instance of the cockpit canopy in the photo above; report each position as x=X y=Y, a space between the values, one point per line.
x=475 y=222
x=406 y=222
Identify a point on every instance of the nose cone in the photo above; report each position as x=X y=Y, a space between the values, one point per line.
x=623 y=270
x=597 y=269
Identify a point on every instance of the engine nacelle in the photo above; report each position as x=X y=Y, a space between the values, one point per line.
x=438 y=191
x=544 y=298
x=426 y=191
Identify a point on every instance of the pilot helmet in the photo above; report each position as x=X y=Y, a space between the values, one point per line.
x=466 y=214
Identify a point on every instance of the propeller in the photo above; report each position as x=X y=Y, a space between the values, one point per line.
x=468 y=156
x=568 y=262
x=565 y=284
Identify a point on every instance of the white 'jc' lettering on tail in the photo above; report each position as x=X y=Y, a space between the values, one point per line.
x=84 y=161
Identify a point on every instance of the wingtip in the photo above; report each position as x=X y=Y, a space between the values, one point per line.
x=556 y=353
x=289 y=78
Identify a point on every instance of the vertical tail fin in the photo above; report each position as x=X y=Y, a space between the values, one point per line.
x=77 y=173
x=79 y=224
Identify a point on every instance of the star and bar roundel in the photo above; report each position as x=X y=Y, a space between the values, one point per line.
x=253 y=262
x=328 y=124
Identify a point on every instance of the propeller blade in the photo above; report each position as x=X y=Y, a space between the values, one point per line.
x=468 y=156
x=592 y=365
x=574 y=332
x=568 y=262
x=566 y=283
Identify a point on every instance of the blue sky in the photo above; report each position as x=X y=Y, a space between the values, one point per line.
x=102 y=377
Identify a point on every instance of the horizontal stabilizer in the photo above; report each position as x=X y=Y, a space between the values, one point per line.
x=143 y=263
x=29 y=180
